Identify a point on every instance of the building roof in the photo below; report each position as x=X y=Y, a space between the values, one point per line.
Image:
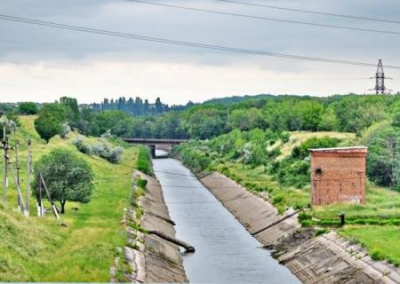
x=341 y=151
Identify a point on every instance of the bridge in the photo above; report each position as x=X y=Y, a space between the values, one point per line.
x=154 y=143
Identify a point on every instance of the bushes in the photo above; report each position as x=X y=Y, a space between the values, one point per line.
x=377 y=255
x=301 y=151
x=82 y=147
x=103 y=150
x=65 y=131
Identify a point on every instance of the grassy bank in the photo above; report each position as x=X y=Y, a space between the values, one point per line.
x=34 y=249
x=382 y=243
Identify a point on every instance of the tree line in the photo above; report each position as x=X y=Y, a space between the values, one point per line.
x=374 y=118
x=351 y=113
x=137 y=106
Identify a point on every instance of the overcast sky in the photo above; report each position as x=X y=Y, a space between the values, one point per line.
x=41 y=63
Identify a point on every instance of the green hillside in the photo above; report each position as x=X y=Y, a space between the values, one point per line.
x=34 y=249
x=276 y=168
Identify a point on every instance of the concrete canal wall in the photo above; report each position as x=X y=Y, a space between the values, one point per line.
x=151 y=257
x=324 y=259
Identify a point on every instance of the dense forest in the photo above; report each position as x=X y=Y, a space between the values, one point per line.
x=277 y=113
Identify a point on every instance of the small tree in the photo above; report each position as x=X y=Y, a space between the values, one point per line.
x=68 y=177
x=27 y=108
x=50 y=121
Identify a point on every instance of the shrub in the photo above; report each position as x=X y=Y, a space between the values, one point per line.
x=320 y=232
x=304 y=216
x=141 y=183
x=82 y=146
x=300 y=152
x=285 y=137
x=105 y=151
x=116 y=154
x=107 y=135
x=377 y=255
x=307 y=223
x=65 y=131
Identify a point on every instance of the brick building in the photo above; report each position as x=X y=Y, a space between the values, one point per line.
x=338 y=175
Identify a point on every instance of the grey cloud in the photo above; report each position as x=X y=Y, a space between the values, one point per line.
x=33 y=43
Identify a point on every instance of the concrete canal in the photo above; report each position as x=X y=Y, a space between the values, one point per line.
x=225 y=251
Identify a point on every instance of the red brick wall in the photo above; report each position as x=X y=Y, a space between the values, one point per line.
x=338 y=176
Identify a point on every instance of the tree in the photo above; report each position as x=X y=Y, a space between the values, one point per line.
x=27 y=108
x=383 y=165
x=50 y=120
x=246 y=119
x=72 y=110
x=68 y=177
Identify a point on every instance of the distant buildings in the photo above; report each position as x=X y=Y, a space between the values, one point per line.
x=338 y=175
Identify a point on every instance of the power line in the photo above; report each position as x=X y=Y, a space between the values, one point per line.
x=184 y=43
x=268 y=18
x=313 y=12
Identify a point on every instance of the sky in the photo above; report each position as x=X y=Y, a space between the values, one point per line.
x=42 y=64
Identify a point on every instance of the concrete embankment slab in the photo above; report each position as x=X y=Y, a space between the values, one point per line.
x=163 y=260
x=324 y=259
x=254 y=213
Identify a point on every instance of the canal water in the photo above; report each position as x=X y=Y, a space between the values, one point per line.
x=225 y=251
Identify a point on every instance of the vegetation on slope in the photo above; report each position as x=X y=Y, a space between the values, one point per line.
x=275 y=166
x=34 y=249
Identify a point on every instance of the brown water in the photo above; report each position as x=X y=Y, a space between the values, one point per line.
x=225 y=251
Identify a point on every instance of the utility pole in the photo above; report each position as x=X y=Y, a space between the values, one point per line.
x=6 y=161
x=380 y=79
x=28 y=177
x=18 y=181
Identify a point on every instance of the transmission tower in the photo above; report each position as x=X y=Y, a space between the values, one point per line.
x=380 y=79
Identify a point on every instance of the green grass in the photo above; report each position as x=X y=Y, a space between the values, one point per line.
x=143 y=161
x=34 y=249
x=381 y=203
x=257 y=180
x=381 y=242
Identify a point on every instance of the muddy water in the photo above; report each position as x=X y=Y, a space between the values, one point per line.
x=225 y=251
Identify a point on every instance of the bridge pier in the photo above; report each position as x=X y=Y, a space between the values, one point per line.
x=153 y=151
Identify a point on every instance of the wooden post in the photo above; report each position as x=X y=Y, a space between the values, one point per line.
x=16 y=145
x=49 y=196
x=5 y=177
x=28 y=177
x=39 y=200
x=18 y=191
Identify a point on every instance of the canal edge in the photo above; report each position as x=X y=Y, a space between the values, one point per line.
x=323 y=259
x=150 y=254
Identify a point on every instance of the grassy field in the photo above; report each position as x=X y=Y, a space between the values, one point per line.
x=382 y=242
x=34 y=249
